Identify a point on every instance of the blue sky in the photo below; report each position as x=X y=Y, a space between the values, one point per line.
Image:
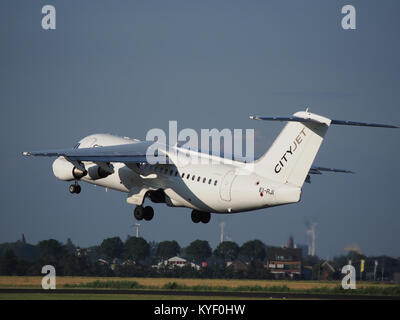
x=125 y=67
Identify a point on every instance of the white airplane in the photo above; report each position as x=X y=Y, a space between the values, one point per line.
x=214 y=186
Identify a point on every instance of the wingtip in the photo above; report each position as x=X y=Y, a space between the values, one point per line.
x=25 y=153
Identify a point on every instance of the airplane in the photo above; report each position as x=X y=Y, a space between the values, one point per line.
x=212 y=186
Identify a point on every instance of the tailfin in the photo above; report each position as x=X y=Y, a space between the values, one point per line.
x=290 y=157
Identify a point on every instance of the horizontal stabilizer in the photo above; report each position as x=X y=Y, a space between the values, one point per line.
x=317 y=170
x=362 y=124
x=306 y=119
x=290 y=119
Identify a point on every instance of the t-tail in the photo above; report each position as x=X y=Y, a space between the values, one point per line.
x=292 y=154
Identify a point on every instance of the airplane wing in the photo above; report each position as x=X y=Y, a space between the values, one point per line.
x=127 y=153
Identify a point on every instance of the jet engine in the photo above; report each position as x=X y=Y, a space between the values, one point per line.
x=96 y=172
x=66 y=171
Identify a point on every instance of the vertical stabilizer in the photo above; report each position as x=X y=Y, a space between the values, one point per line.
x=291 y=155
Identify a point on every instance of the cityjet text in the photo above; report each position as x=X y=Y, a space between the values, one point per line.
x=292 y=149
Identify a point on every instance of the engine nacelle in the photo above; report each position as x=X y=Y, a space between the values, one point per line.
x=96 y=172
x=66 y=171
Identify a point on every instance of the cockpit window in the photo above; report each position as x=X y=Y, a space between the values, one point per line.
x=77 y=146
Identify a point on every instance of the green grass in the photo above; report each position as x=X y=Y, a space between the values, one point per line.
x=109 y=285
x=365 y=290
x=211 y=285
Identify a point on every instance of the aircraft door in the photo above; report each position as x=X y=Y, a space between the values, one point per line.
x=226 y=184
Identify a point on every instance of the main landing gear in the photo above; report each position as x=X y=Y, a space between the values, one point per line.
x=75 y=188
x=146 y=213
x=198 y=216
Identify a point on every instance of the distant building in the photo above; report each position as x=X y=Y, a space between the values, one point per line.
x=237 y=265
x=128 y=262
x=177 y=262
x=284 y=262
x=22 y=239
x=290 y=243
x=307 y=273
x=104 y=262
x=327 y=271
x=81 y=252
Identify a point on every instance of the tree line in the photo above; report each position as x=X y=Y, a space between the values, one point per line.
x=135 y=257
x=132 y=257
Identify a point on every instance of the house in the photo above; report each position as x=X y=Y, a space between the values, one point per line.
x=307 y=273
x=327 y=271
x=103 y=262
x=80 y=252
x=237 y=265
x=176 y=262
x=284 y=262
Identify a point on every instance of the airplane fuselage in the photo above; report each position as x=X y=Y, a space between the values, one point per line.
x=216 y=187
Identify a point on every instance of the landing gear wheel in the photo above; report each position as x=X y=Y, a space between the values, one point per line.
x=205 y=217
x=72 y=188
x=148 y=213
x=77 y=189
x=196 y=218
x=138 y=213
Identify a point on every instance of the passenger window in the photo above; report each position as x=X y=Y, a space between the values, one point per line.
x=215 y=182
x=209 y=181
x=198 y=179
x=183 y=175
x=204 y=180
x=188 y=176
x=193 y=177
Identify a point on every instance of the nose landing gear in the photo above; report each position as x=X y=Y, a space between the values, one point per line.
x=75 y=188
